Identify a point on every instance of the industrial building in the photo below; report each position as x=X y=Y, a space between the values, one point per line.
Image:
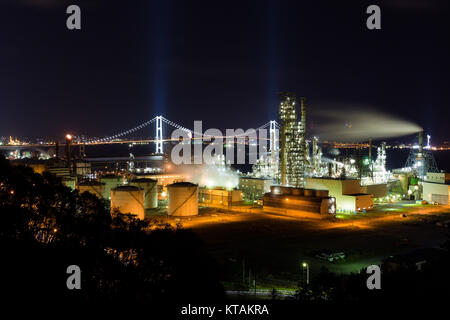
x=315 y=160
x=348 y=193
x=219 y=197
x=268 y=164
x=406 y=183
x=254 y=188
x=401 y=181
x=421 y=160
x=82 y=168
x=293 y=141
x=299 y=202
x=38 y=166
x=436 y=187
x=375 y=190
x=437 y=177
x=131 y=163
x=377 y=170
x=62 y=172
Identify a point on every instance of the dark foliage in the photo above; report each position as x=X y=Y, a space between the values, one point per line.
x=45 y=227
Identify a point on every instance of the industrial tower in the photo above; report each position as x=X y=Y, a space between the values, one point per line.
x=316 y=157
x=293 y=140
x=421 y=161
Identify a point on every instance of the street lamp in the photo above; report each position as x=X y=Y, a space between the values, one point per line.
x=305 y=265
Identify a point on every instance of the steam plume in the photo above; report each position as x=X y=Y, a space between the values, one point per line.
x=358 y=123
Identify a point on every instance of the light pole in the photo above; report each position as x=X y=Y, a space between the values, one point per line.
x=305 y=265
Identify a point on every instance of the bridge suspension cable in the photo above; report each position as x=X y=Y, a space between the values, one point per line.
x=121 y=134
x=159 y=131
x=177 y=126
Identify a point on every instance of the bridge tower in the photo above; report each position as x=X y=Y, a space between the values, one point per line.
x=159 y=138
x=273 y=137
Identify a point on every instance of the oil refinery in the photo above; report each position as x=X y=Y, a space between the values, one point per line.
x=295 y=175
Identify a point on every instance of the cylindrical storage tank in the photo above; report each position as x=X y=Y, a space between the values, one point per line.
x=128 y=199
x=111 y=181
x=297 y=191
x=97 y=188
x=150 y=187
x=308 y=192
x=183 y=199
x=321 y=193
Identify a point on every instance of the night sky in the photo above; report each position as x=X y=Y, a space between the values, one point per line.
x=222 y=62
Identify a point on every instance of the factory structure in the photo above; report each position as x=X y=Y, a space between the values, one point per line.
x=293 y=141
x=436 y=188
x=297 y=194
x=347 y=192
x=297 y=176
x=355 y=181
x=299 y=202
x=421 y=160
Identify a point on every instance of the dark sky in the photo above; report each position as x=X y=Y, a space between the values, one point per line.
x=222 y=62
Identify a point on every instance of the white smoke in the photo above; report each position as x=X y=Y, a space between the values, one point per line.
x=210 y=176
x=358 y=123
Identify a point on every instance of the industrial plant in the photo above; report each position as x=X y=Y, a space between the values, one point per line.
x=298 y=175
x=209 y=159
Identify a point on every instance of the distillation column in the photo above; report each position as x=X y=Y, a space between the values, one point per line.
x=293 y=142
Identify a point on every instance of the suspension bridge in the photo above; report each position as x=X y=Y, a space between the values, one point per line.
x=160 y=124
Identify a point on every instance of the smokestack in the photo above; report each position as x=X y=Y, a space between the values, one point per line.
x=421 y=142
x=370 y=151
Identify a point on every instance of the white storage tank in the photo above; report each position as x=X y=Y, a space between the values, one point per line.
x=183 y=199
x=111 y=181
x=128 y=199
x=150 y=187
x=95 y=187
